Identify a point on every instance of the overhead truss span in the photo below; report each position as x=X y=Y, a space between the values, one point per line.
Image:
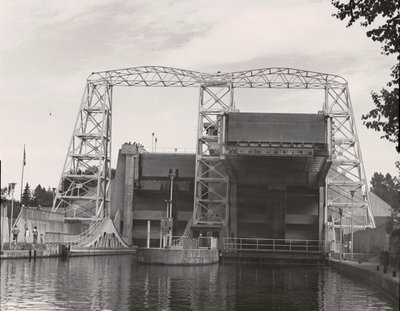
x=274 y=77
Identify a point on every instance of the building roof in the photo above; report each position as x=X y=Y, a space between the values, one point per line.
x=379 y=207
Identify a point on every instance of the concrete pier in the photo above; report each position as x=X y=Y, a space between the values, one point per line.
x=32 y=252
x=56 y=250
x=163 y=256
x=367 y=272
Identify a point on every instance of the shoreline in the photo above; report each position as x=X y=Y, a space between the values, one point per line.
x=367 y=272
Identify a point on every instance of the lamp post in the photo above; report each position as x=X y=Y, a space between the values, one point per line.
x=364 y=211
x=152 y=142
x=3 y=215
x=11 y=187
x=341 y=234
x=351 y=223
x=54 y=192
x=171 y=176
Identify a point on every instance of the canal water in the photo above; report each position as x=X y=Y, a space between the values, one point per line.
x=119 y=283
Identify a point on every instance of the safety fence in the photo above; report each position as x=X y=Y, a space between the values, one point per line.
x=273 y=245
x=186 y=242
x=74 y=239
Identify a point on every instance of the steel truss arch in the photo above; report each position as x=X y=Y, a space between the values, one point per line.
x=274 y=77
x=83 y=189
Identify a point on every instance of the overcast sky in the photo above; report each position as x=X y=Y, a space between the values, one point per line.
x=48 y=48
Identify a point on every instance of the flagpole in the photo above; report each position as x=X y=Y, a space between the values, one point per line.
x=22 y=177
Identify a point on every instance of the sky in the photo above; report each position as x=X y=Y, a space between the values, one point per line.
x=48 y=48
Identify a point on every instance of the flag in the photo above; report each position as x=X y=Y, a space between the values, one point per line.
x=24 y=157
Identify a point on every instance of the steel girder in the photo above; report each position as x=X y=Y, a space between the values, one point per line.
x=86 y=195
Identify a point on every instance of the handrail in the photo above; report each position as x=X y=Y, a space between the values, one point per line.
x=92 y=234
x=200 y=242
x=273 y=245
x=77 y=239
x=186 y=234
x=18 y=217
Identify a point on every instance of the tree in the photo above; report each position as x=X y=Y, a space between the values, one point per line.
x=385 y=187
x=385 y=117
x=26 y=195
x=42 y=197
x=4 y=192
x=388 y=189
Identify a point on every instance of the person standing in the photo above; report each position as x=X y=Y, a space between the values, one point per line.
x=26 y=235
x=15 y=233
x=35 y=235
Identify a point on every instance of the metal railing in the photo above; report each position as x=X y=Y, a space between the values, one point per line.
x=56 y=237
x=356 y=256
x=84 y=236
x=177 y=242
x=174 y=150
x=186 y=242
x=74 y=239
x=273 y=245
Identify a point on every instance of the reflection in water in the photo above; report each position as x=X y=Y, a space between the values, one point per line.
x=119 y=283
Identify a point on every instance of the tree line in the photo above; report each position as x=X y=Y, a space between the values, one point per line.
x=39 y=197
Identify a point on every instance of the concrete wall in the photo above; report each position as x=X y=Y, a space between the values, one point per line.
x=276 y=127
x=277 y=212
x=158 y=165
x=177 y=256
x=153 y=188
x=302 y=214
x=117 y=191
x=46 y=250
x=383 y=282
x=4 y=230
x=44 y=221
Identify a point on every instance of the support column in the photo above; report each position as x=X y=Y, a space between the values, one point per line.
x=233 y=221
x=130 y=152
x=276 y=211
x=321 y=213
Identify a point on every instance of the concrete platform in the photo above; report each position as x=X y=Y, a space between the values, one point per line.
x=38 y=251
x=275 y=258
x=56 y=250
x=367 y=272
x=88 y=251
x=164 y=256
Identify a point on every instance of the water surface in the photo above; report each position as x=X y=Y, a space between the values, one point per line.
x=119 y=283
